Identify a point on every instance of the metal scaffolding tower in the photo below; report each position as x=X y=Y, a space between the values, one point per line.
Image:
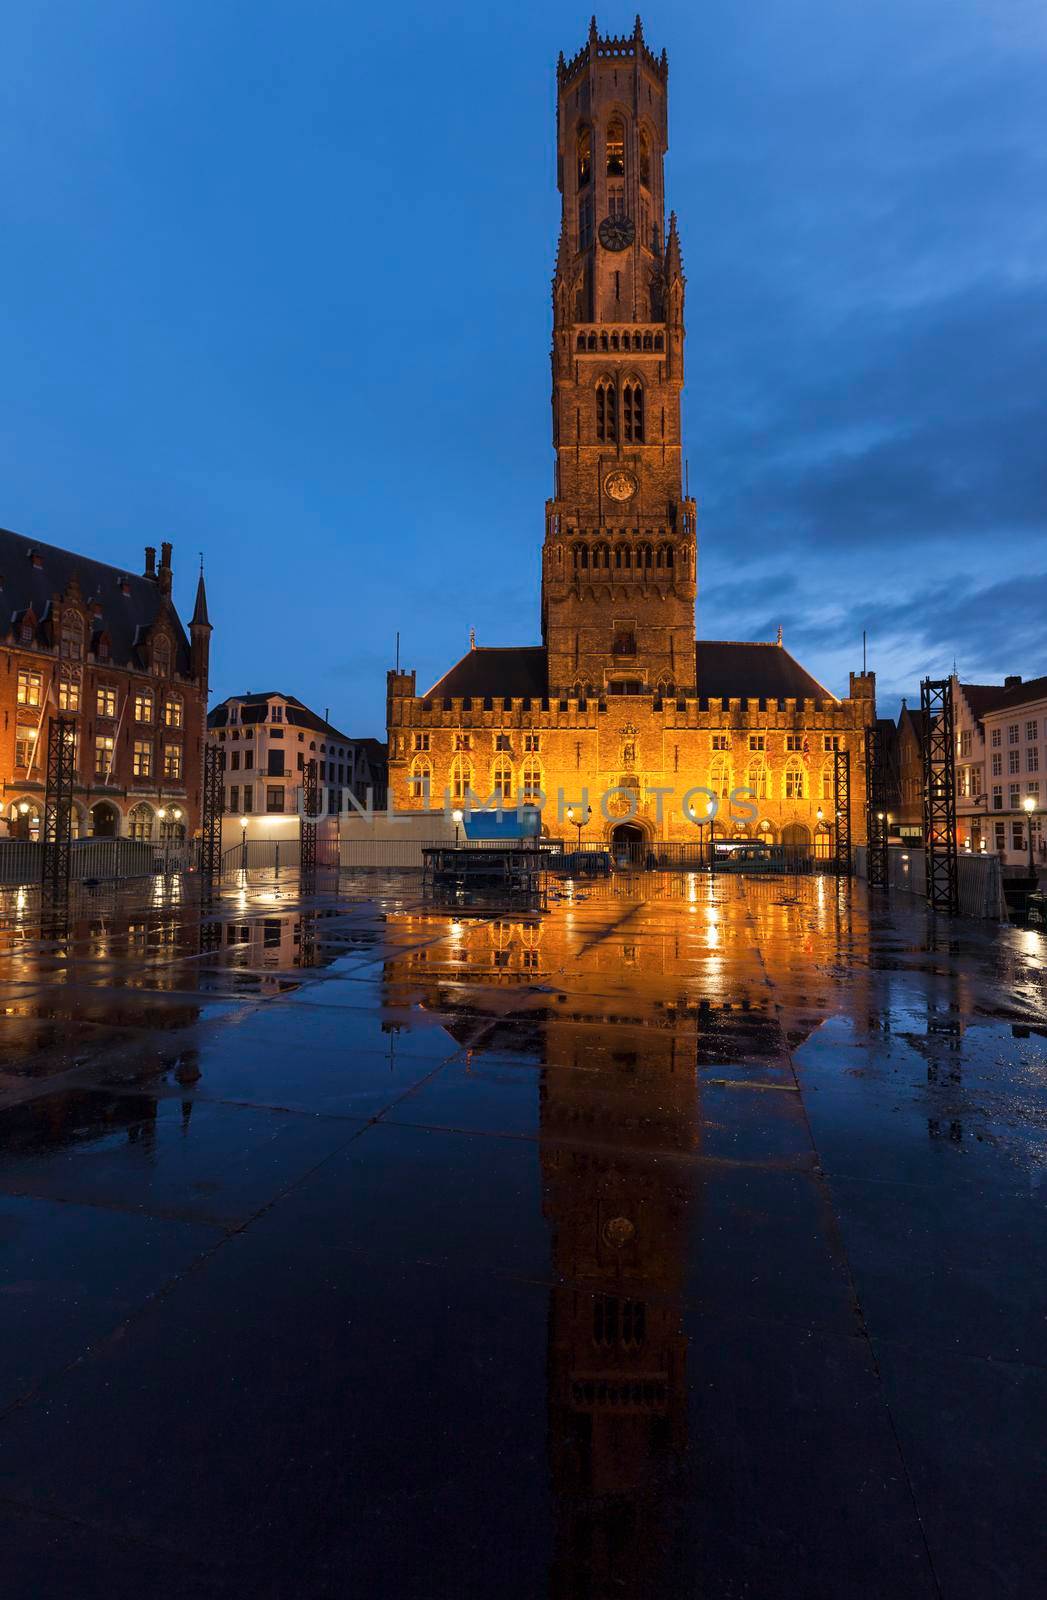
x=310 y=812
x=211 y=816
x=842 y=807
x=939 y=794
x=876 y=793
x=58 y=804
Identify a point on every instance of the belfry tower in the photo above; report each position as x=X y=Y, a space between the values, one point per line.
x=618 y=564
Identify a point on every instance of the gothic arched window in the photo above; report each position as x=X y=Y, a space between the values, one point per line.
x=616 y=148
x=161 y=658
x=502 y=778
x=585 y=156
x=461 y=777
x=644 y=555
x=645 y=158
x=531 y=782
x=756 y=779
x=421 y=778
x=795 y=781
x=720 y=776
x=607 y=411
x=632 y=412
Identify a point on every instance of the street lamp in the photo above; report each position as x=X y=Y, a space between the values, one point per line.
x=457 y=817
x=1029 y=805
x=699 y=823
x=579 y=818
x=243 y=844
x=162 y=814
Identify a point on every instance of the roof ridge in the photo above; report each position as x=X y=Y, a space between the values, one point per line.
x=77 y=555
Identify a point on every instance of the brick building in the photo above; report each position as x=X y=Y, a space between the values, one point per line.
x=620 y=696
x=106 y=648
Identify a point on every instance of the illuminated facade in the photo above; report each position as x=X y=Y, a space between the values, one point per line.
x=620 y=696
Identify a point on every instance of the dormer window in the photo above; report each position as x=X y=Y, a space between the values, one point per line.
x=276 y=713
x=26 y=632
x=72 y=640
x=161 y=658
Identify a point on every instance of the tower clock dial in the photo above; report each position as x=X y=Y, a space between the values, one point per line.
x=617 y=233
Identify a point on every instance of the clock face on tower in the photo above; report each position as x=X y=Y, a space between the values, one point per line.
x=617 y=233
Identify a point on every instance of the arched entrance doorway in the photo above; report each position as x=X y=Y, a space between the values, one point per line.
x=628 y=844
x=105 y=820
x=23 y=820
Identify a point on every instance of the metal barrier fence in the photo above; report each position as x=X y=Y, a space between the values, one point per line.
x=21 y=860
x=565 y=856
x=979 y=879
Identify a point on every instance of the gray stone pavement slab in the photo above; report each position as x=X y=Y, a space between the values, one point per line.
x=684 y=1240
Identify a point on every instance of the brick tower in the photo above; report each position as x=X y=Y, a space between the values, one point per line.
x=618 y=565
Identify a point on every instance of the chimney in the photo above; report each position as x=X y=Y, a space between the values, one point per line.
x=164 y=574
x=1013 y=681
x=150 y=561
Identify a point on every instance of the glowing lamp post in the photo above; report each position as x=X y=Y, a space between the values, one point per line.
x=457 y=817
x=1029 y=806
x=699 y=822
x=578 y=816
x=243 y=844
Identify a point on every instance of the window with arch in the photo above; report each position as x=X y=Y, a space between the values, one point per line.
x=632 y=411
x=720 y=776
x=161 y=658
x=645 y=158
x=420 y=781
x=461 y=777
x=601 y=555
x=795 y=781
x=756 y=779
x=644 y=555
x=140 y=822
x=616 y=199
x=531 y=781
x=502 y=778
x=616 y=148
x=828 y=789
x=607 y=411
x=72 y=641
x=585 y=222
x=585 y=156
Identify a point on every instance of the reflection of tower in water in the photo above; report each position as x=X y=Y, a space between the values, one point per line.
x=618 y=1117
x=618 y=1122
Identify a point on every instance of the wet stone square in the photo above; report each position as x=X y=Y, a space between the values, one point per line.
x=687 y=1239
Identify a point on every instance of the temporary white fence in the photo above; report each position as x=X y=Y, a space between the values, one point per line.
x=979 y=880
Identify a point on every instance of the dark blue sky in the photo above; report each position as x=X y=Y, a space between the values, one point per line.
x=274 y=284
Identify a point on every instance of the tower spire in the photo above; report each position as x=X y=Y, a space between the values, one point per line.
x=200 y=618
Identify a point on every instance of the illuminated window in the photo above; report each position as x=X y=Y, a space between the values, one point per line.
x=756 y=779
x=25 y=741
x=142 y=759
x=616 y=149
x=585 y=156
x=173 y=761
x=30 y=688
x=531 y=782
x=173 y=712
x=140 y=822
x=68 y=692
x=144 y=706
x=105 y=702
x=105 y=745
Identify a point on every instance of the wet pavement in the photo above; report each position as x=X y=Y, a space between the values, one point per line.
x=688 y=1239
